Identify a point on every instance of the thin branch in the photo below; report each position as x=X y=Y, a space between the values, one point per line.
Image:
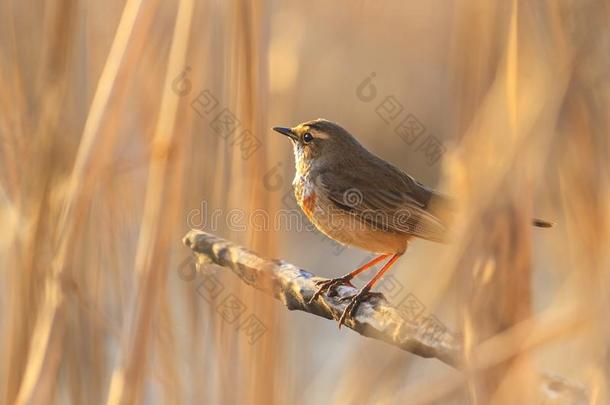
x=374 y=318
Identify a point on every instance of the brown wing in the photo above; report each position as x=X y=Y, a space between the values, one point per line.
x=384 y=197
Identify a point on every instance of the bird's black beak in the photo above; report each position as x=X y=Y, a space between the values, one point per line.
x=286 y=131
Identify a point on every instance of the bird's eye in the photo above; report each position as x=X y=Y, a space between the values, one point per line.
x=308 y=137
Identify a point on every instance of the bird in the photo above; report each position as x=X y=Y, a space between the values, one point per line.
x=360 y=200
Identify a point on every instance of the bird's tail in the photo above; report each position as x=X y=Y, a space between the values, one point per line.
x=541 y=223
x=442 y=208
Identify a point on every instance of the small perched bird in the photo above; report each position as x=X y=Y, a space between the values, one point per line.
x=360 y=200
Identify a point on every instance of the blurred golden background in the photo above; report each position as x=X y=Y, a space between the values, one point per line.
x=124 y=123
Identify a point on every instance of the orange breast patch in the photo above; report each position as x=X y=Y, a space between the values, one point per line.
x=309 y=203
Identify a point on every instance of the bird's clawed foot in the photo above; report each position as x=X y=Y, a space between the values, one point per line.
x=354 y=301
x=331 y=285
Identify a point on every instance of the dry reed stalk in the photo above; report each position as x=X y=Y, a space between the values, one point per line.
x=529 y=335
x=251 y=21
x=521 y=105
x=128 y=378
x=25 y=203
x=44 y=355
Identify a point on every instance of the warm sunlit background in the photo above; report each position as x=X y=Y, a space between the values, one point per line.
x=111 y=148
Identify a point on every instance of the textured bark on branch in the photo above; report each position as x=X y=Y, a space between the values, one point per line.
x=293 y=286
x=375 y=318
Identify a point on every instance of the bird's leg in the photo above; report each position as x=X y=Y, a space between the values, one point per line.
x=328 y=285
x=365 y=291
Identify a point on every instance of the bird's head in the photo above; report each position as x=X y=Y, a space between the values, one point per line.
x=319 y=141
